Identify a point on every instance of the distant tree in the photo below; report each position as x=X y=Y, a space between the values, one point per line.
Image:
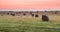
x=30 y=12
x=45 y=11
x=37 y=11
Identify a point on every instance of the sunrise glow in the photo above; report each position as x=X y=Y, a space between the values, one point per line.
x=33 y=4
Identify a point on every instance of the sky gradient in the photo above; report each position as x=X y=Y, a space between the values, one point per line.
x=33 y=4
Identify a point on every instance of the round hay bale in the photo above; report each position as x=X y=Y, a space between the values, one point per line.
x=24 y=14
x=7 y=13
x=56 y=12
x=13 y=14
x=32 y=15
x=36 y=15
x=45 y=18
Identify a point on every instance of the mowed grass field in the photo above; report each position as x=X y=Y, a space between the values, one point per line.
x=29 y=24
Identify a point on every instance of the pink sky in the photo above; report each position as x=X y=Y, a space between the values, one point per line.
x=29 y=4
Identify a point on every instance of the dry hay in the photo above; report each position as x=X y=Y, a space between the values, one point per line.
x=30 y=18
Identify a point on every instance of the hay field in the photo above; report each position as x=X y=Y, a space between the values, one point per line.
x=29 y=24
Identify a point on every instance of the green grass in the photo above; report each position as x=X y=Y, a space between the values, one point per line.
x=30 y=25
